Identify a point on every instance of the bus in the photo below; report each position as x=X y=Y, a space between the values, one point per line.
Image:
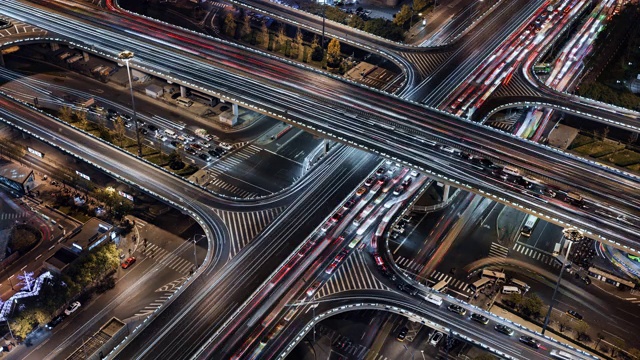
x=542 y=68
x=441 y=285
x=478 y=285
x=521 y=284
x=511 y=171
x=436 y=300
x=494 y=275
x=528 y=225
x=574 y=198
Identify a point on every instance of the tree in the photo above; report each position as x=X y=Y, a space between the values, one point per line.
x=66 y=114
x=356 y=22
x=297 y=44
x=605 y=132
x=418 y=5
x=245 y=29
x=531 y=305
x=634 y=353
x=25 y=321
x=581 y=328
x=617 y=343
x=600 y=338
x=281 y=37
x=316 y=49
x=403 y=15
x=263 y=35
x=118 y=126
x=229 y=24
x=81 y=115
x=333 y=53
x=516 y=299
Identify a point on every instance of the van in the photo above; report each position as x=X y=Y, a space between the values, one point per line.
x=183 y=139
x=170 y=133
x=64 y=55
x=510 y=290
x=184 y=101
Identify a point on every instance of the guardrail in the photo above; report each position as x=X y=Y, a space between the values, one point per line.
x=432 y=208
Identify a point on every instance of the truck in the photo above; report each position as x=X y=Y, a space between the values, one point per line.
x=74 y=58
x=202 y=133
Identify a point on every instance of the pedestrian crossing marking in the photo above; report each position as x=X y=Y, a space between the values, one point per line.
x=246 y=225
x=497 y=250
x=535 y=254
x=169 y=259
x=244 y=151
x=353 y=274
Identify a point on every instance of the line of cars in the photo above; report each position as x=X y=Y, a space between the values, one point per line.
x=525 y=339
x=73 y=307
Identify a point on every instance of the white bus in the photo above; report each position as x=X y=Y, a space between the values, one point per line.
x=494 y=275
x=478 y=285
x=521 y=284
x=510 y=290
x=441 y=285
x=436 y=300
x=527 y=228
x=511 y=171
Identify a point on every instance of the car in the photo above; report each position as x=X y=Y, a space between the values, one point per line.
x=480 y=318
x=411 y=290
x=574 y=314
x=528 y=340
x=204 y=157
x=143 y=131
x=457 y=309
x=380 y=171
x=72 y=308
x=348 y=204
x=331 y=268
x=435 y=338
x=382 y=179
x=398 y=190
x=340 y=256
x=152 y=127
x=54 y=322
x=214 y=153
x=175 y=143
x=414 y=173
x=226 y=146
x=503 y=329
x=326 y=226
x=313 y=288
x=361 y=191
x=220 y=150
x=126 y=117
x=369 y=181
x=190 y=150
x=204 y=143
x=196 y=146
x=336 y=217
x=402 y=334
x=378 y=259
x=407 y=182
x=130 y=260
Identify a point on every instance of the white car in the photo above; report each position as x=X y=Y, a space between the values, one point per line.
x=414 y=173
x=72 y=308
x=226 y=146
x=435 y=338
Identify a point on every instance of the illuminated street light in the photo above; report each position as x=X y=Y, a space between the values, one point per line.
x=126 y=56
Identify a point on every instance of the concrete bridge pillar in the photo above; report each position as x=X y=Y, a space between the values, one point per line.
x=55 y=46
x=234 y=108
x=183 y=91
x=445 y=195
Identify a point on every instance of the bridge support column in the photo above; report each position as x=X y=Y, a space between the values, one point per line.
x=234 y=108
x=183 y=91
x=445 y=195
x=85 y=57
x=55 y=46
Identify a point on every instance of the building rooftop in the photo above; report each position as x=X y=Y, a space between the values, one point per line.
x=14 y=171
x=90 y=232
x=61 y=258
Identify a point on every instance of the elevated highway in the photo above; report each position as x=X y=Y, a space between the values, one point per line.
x=352 y=114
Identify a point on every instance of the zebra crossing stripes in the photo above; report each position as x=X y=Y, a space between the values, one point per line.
x=10 y=216
x=453 y=283
x=244 y=226
x=516 y=87
x=409 y=264
x=226 y=164
x=356 y=351
x=353 y=274
x=497 y=250
x=169 y=259
x=18 y=27
x=167 y=290
x=426 y=63
x=536 y=254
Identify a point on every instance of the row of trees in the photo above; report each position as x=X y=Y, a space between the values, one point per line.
x=81 y=277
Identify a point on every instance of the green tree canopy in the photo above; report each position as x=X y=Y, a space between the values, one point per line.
x=333 y=53
x=229 y=24
x=403 y=15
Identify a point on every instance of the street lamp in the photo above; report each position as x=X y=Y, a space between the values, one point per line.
x=126 y=56
x=422 y=352
x=570 y=235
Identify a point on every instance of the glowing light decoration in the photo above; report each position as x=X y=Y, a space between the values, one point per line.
x=32 y=289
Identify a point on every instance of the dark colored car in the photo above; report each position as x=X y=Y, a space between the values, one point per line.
x=503 y=329
x=402 y=334
x=54 y=322
x=457 y=309
x=204 y=157
x=480 y=318
x=214 y=153
x=574 y=314
x=528 y=340
x=152 y=127
x=380 y=171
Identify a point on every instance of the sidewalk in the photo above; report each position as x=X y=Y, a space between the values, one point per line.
x=505 y=222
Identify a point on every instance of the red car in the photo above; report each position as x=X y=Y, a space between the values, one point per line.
x=378 y=259
x=128 y=262
x=370 y=181
x=331 y=268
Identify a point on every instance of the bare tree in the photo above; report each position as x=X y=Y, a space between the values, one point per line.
x=81 y=115
x=66 y=114
x=118 y=126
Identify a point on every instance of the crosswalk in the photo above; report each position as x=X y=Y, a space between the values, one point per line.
x=353 y=274
x=536 y=254
x=454 y=284
x=426 y=63
x=168 y=259
x=224 y=165
x=497 y=250
x=244 y=226
x=11 y=216
x=14 y=27
x=517 y=86
x=355 y=351
x=166 y=291
x=409 y=264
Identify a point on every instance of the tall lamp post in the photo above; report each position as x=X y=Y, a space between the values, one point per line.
x=570 y=235
x=126 y=56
